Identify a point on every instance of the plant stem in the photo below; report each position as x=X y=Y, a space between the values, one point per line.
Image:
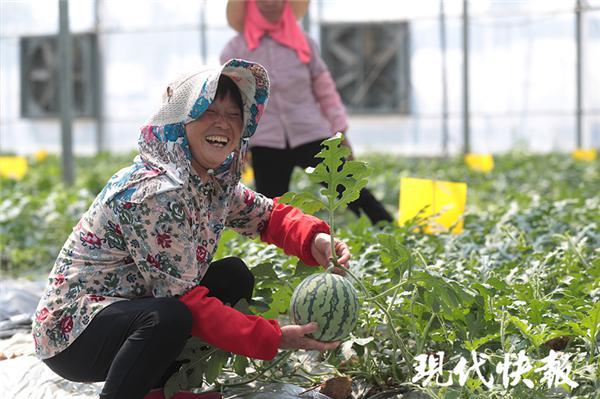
x=331 y=235
x=397 y=341
x=574 y=249
x=423 y=261
x=258 y=373
x=202 y=358
x=421 y=343
x=394 y=345
x=503 y=331
x=395 y=287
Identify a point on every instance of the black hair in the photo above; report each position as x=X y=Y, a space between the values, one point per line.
x=227 y=87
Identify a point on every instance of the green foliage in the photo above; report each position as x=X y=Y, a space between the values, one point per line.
x=525 y=271
x=38 y=212
x=524 y=274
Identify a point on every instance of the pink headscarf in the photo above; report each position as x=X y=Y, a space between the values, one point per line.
x=285 y=31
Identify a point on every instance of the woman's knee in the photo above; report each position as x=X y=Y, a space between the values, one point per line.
x=239 y=272
x=229 y=279
x=240 y=266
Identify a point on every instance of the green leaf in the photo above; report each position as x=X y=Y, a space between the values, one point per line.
x=243 y=306
x=239 y=365
x=354 y=179
x=177 y=382
x=215 y=365
x=452 y=394
x=591 y=322
x=303 y=270
x=257 y=306
x=522 y=325
x=333 y=172
x=473 y=345
x=195 y=375
x=194 y=348
x=265 y=270
x=394 y=255
x=307 y=202
x=536 y=309
x=576 y=328
x=280 y=302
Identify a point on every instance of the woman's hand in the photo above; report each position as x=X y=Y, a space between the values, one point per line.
x=321 y=250
x=294 y=337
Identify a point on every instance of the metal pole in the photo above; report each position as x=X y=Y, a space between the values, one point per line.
x=306 y=21
x=99 y=77
x=319 y=19
x=579 y=72
x=466 y=125
x=445 y=134
x=203 y=32
x=65 y=81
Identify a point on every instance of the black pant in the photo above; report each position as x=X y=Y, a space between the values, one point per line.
x=132 y=345
x=273 y=170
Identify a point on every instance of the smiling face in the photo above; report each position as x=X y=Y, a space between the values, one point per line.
x=216 y=134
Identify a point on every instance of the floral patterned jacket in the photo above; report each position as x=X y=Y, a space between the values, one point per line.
x=154 y=228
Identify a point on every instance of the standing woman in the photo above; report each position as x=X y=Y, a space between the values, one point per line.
x=305 y=107
x=137 y=277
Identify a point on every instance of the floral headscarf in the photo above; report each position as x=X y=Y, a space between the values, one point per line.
x=163 y=145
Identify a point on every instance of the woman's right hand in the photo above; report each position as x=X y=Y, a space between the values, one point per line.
x=294 y=337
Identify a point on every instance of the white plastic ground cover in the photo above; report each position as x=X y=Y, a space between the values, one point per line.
x=269 y=391
x=23 y=376
x=18 y=300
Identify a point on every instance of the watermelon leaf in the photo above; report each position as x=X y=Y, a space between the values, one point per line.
x=335 y=173
x=308 y=202
x=243 y=306
x=191 y=373
x=303 y=270
x=395 y=256
x=346 y=350
x=342 y=181
x=240 y=363
x=215 y=364
x=177 y=382
x=280 y=302
x=265 y=270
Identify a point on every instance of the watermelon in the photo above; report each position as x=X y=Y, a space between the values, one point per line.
x=328 y=299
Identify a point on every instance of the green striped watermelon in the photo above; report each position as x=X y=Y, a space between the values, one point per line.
x=328 y=299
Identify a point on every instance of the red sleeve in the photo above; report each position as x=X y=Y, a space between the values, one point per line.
x=293 y=231
x=229 y=329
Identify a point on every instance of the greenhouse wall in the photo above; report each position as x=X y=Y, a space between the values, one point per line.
x=522 y=71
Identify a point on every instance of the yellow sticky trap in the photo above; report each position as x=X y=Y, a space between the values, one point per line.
x=581 y=154
x=13 y=167
x=480 y=162
x=248 y=175
x=40 y=155
x=440 y=203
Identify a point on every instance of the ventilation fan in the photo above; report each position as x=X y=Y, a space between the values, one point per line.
x=39 y=76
